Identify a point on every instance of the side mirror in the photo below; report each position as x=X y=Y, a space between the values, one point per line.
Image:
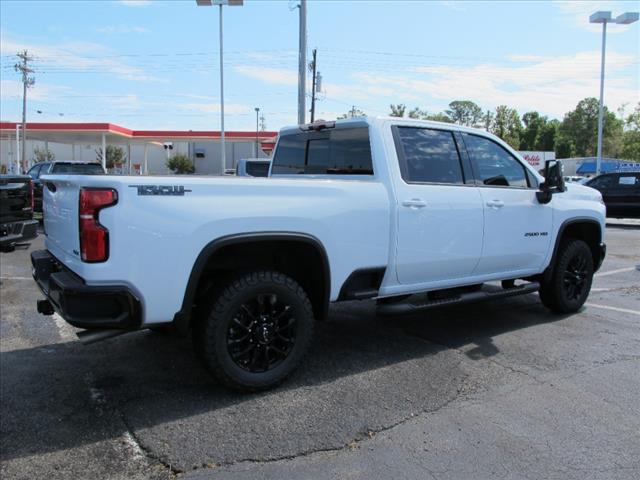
x=553 y=181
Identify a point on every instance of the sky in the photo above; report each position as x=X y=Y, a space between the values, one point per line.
x=153 y=64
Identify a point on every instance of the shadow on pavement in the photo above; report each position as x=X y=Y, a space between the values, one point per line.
x=363 y=373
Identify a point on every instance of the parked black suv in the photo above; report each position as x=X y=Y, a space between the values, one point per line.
x=620 y=192
x=59 y=168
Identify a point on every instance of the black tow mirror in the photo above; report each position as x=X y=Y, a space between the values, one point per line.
x=553 y=181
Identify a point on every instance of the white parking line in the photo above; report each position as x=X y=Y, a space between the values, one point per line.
x=65 y=330
x=615 y=309
x=613 y=272
x=16 y=278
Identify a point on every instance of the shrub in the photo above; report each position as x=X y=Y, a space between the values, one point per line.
x=180 y=164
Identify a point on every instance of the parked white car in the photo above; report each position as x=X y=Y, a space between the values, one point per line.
x=354 y=209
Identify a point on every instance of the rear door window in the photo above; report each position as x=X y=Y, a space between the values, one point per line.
x=339 y=151
x=428 y=156
x=493 y=165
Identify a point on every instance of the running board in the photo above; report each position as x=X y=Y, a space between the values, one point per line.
x=403 y=308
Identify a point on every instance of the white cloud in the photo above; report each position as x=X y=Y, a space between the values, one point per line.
x=279 y=76
x=454 y=5
x=577 y=13
x=552 y=86
x=75 y=56
x=122 y=29
x=12 y=90
x=135 y=3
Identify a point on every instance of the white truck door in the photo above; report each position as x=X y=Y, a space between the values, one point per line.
x=517 y=231
x=440 y=218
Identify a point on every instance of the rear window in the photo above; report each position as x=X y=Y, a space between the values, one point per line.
x=257 y=169
x=78 y=168
x=629 y=181
x=341 y=151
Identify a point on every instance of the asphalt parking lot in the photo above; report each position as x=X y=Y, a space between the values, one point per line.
x=501 y=389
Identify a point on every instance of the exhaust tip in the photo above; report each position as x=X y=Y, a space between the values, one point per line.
x=45 y=308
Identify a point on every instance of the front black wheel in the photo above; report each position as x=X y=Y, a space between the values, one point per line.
x=256 y=330
x=570 y=283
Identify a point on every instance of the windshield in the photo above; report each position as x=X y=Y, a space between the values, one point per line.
x=78 y=168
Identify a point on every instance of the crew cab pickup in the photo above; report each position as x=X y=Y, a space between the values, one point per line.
x=382 y=208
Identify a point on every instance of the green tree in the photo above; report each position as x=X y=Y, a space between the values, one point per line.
x=533 y=125
x=506 y=125
x=397 y=110
x=546 y=141
x=115 y=156
x=417 y=113
x=631 y=136
x=180 y=163
x=464 y=112
x=580 y=127
x=438 y=117
x=43 y=155
x=487 y=120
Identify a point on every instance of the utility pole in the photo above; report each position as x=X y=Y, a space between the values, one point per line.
x=313 y=86
x=302 y=62
x=27 y=82
x=353 y=111
x=257 y=134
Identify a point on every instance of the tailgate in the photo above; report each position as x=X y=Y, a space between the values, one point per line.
x=60 y=197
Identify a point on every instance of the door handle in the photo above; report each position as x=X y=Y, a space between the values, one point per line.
x=495 y=204
x=414 y=203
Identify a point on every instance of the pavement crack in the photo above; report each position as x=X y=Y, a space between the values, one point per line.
x=138 y=449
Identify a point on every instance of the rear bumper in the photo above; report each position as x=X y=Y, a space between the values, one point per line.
x=82 y=305
x=17 y=232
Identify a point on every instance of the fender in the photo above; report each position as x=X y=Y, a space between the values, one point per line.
x=563 y=227
x=182 y=319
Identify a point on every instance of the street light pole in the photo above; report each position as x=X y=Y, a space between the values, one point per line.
x=222 y=144
x=604 y=18
x=220 y=3
x=601 y=105
x=257 y=135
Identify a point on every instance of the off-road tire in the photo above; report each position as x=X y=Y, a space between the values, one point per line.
x=568 y=286
x=219 y=318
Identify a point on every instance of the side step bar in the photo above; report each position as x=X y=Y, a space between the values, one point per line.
x=403 y=308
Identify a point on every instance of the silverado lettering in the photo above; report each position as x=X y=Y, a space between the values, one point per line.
x=176 y=190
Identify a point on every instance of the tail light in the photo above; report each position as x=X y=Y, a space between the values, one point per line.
x=94 y=238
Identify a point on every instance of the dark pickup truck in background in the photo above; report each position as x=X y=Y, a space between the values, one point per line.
x=16 y=211
x=58 y=168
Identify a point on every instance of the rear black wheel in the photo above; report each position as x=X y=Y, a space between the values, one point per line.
x=256 y=330
x=570 y=283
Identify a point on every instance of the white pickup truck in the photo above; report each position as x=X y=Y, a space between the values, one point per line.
x=365 y=208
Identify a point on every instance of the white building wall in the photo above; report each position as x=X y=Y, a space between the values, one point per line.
x=211 y=164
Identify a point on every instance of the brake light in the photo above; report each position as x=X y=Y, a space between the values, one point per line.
x=94 y=238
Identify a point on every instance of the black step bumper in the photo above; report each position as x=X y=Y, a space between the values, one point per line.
x=82 y=305
x=17 y=232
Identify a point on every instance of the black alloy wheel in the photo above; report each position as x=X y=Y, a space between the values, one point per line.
x=575 y=277
x=262 y=333
x=568 y=285
x=255 y=330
